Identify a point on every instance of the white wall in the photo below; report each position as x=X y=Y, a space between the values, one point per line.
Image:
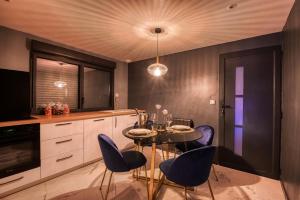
x=15 y=53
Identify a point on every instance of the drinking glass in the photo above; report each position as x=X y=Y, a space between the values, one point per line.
x=153 y=118
x=169 y=120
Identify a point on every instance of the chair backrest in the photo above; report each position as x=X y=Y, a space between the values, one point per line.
x=192 y=168
x=112 y=157
x=208 y=134
x=186 y=122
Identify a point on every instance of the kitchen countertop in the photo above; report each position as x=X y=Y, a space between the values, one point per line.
x=42 y=119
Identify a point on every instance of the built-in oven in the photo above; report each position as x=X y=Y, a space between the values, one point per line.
x=19 y=149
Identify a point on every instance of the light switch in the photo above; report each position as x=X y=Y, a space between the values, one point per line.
x=212 y=102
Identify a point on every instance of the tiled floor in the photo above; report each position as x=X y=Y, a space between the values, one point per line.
x=232 y=185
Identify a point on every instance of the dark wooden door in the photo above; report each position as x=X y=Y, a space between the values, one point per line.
x=250 y=111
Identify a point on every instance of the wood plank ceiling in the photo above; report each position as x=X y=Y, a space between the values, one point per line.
x=120 y=29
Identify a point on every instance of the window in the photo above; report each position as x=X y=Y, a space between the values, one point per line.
x=96 y=88
x=56 y=81
x=61 y=75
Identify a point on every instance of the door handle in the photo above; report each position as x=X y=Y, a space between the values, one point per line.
x=97 y=120
x=64 y=124
x=225 y=107
x=63 y=141
x=65 y=158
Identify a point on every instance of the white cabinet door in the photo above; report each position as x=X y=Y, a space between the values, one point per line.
x=119 y=124
x=92 y=128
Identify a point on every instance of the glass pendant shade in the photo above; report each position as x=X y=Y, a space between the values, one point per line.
x=157 y=69
x=60 y=84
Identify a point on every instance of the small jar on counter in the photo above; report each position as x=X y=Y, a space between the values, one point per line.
x=66 y=109
x=48 y=110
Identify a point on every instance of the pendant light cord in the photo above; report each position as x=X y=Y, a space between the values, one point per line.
x=157 y=58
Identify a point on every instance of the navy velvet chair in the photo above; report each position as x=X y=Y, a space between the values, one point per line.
x=181 y=121
x=191 y=168
x=206 y=140
x=117 y=161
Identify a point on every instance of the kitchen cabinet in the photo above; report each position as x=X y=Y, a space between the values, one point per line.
x=61 y=146
x=56 y=130
x=61 y=162
x=68 y=144
x=119 y=124
x=92 y=128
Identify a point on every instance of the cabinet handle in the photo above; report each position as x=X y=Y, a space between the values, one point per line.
x=133 y=115
x=63 y=141
x=11 y=181
x=65 y=158
x=116 y=121
x=97 y=120
x=63 y=124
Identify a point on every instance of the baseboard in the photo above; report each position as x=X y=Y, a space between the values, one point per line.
x=284 y=191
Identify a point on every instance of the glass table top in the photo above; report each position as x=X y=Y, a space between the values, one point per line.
x=165 y=137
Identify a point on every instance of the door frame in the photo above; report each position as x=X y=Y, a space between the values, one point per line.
x=277 y=115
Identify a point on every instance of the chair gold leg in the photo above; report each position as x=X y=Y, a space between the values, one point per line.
x=107 y=191
x=146 y=182
x=214 y=171
x=185 y=193
x=211 y=192
x=159 y=174
x=162 y=152
x=103 y=178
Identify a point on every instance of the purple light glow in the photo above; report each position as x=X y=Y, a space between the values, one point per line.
x=239 y=111
x=239 y=80
x=238 y=141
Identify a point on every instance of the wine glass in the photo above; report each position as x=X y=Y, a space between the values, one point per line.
x=169 y=120
x=153 y=118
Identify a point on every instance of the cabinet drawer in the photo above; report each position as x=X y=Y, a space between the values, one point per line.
x=20 y=179
x=61 y=145
x=61 y=162
x=56 y=130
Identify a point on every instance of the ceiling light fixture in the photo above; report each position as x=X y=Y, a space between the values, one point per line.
x=157 y=69
x=60 y=83
x=232 y=6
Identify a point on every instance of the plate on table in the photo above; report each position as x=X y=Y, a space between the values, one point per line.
x=180 y=128
x=139 y=132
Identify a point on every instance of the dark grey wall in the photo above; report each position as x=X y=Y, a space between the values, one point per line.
x=290 y=143
x=192 y=80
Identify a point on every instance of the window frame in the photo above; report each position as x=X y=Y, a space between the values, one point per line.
x=55 y=53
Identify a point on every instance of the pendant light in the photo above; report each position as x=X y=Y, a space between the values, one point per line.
x=157 y=69
x=60 y=83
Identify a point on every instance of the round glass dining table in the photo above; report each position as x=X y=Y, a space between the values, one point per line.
x=160 y=138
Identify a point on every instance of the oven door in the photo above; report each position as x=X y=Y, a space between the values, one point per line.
x=19 y=149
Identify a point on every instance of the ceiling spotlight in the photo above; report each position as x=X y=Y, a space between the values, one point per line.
x=232 y=6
